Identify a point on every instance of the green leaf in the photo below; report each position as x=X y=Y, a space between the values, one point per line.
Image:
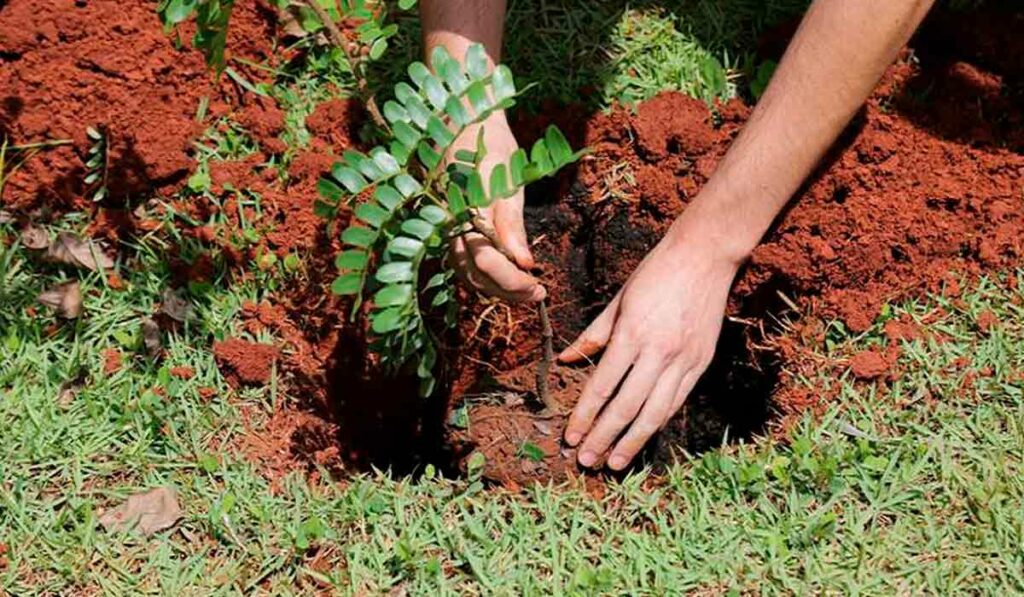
x=418 y=72
x=499 y=183
x=388 y=320
x=439 y=132
x=421 y=229
x=440 y=298
x=434 y=214
x=363 y=164
x=407 y=185
x=435 y=92
x=328 y=188
x=456 y=200
x=436 y=280
x=561 y=151
x=450 y=70
x=457 y=112
x=517 y=167
x=177 y=11
x=532 y=451
x=385 y=161
x=477 y=94
x=400 y=151
x=396 y=112
x=418 y=111
x=372 y=214
x=387 y=196
x=430 y=158
x=404 y=92
x=396 y=271
x=378 y=48
x=476 y=61
x=427 y=386
x=350 y=283
x=406 y=4
x=475 y=190
x=393 y=295
x=540 y=158
x=358 y=236
x=465 y=155
x=352 y=180
x=405 y=246
x=323 y=209
x=502 y=83
x=407 y=135
x=353 y=259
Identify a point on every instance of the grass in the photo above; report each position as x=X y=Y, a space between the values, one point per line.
x=910 y=487
x=915 y=488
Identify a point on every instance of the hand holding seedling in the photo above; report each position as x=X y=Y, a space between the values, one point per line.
x=660 y=331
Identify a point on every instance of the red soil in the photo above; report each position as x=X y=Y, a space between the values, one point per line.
x=925 y=184
x=244 y=362
x=66 y=65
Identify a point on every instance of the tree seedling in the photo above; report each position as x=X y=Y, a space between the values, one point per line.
x=410 y=200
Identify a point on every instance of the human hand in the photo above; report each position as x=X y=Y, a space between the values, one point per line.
x=660 y=332
x=477 y=261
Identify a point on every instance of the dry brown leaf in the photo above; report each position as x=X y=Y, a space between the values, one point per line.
x=72 y=250
x=175 y=306
x=148 y=513
x=151 y=337
x=6 y=217
x=35 y=238
x=66 y=298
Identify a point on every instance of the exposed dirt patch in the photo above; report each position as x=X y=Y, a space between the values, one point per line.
x=245 y=363
x=66 y=65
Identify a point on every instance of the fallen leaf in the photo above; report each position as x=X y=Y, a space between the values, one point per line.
x=66 y=298
x=72 y=250
x=151 y=337
x=35 y=238
x=6 y=217
x=175 y=306
x=148 y=513
x=544 y=427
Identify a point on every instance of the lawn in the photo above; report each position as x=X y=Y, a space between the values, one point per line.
x=908 y=485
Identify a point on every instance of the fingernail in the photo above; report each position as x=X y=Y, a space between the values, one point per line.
x=617 y=462
x=588 y=459
x=539 y=293
x=573 y=437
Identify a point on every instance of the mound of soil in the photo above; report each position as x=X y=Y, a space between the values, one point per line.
x=67 y=65
x=923 y=188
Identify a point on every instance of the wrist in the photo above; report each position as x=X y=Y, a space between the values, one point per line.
x=719 y=226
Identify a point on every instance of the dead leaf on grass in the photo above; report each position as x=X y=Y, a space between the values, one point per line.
x=175 y=306
x=35 y=238
x=66 y=298
x=151 y=337
x=6 y=217
x=72 y=250
x=148 y=513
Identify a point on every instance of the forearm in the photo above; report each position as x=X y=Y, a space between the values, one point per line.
x=834 y=61
x=456 y=24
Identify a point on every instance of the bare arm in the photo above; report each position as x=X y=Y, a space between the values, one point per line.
x=660 y=332
x=834 y=61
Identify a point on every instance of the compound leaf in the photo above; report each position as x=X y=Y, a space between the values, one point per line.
x=393 y=295
x=350 y=283
x=372 y=214
x=476 y=61
x=358 y=236
x=421 y=229
x=352 y=260
x=396 y=271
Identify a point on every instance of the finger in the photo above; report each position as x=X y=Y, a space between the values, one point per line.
x=594 y=337
x=685 y=387
x=509 y=282
x=622 y=410
x=511 y=229
x=598 y=389
x=659 y=408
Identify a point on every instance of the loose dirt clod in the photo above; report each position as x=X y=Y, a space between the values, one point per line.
x=245 y=363
x=148 y=513
x=868 y=365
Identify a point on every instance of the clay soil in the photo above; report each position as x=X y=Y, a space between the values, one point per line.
x=922 y=190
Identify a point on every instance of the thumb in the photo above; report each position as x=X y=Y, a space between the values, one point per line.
x=508 y=223
x=595 y=337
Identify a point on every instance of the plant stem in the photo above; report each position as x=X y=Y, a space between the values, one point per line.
x=354 y=61
x=548 y=356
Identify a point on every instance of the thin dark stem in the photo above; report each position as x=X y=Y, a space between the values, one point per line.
x=338 y=39
x=548 y=356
